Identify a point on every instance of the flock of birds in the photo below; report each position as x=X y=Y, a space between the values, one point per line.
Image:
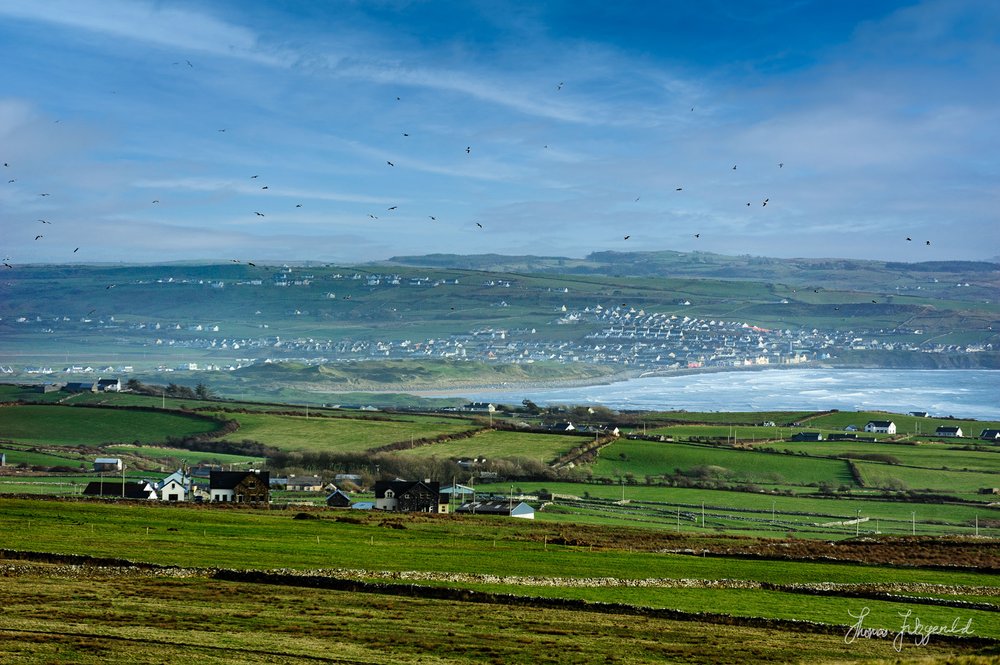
x=468 y=151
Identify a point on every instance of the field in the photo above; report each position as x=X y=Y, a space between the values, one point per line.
x=70 y=426
x=470 y=573
x=502 y=444
x=340 y=434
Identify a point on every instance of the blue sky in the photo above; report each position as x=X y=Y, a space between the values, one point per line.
x=547 y=128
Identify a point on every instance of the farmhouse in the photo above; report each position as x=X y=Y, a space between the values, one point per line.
x=108 y=465
x=498 y=507
x=948 y=430
x=881 y=427
x=113 y=488
x=239 y=486
x=80 y=387
x=410 y=496
x=920 y=414
x=807 y=436
x=990 y=435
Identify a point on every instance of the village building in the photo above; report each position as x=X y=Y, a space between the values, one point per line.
x=949 y=431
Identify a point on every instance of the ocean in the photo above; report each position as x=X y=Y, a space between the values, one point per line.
x=959 y=393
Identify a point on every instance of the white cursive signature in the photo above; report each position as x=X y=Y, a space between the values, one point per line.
x=912 y=625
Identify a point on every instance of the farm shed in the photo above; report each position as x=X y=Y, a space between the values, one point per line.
x=114 y=489
x=338 y=499
x=807 y=436
x=498 y=507
x=107 y=464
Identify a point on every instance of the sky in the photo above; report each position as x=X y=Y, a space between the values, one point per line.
x=351 y=131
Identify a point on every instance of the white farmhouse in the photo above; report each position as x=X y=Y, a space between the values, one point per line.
x=881 y=427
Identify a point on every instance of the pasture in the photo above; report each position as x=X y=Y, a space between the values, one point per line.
x=498 y=444
x=615 y=587
x=650 y=458
x=340 y=434
x=73 y=426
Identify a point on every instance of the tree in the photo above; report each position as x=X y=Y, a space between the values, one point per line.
x=133 y=385
x=203 y=391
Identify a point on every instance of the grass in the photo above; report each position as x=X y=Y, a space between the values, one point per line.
x=66 y=425
x=882 y=475
x=928 y=455
x=317 y=434
x=494 y=444
x=98 y=620
x=642 y=458
x=53 y=613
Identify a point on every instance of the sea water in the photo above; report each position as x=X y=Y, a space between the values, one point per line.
x=959 y=393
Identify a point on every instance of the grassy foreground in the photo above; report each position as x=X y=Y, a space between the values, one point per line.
x=542 y=603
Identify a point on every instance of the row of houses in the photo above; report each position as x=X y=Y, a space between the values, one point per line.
x=253 y=487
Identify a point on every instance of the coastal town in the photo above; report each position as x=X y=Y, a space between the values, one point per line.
x=610 y=334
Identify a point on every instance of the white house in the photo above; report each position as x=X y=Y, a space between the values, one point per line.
x=949 y=431
x=881 y=427
x=174 y=487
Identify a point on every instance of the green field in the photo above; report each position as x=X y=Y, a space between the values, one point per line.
x=347 y=434
x=648 y=458
x=71 y=426
x=493 y=444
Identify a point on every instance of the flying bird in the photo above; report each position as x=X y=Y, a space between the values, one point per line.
x=434 y=219
x=189 y=63
x=7 y=265
x=734 y=167
x=479 y=225
x=298 y=205
x=909 y=239
x=76 y=250
x=468 y=149
x=372 y=216
x=109 y=286
x=264 y=187
x=254 y=176
x=627 y=237
x=679 y=189
x=259 y=214
x=765 y=202
x=928 y=242
x=697 y=235
x=748 y=204
x=44 y=222
x=156 y=200
x=389 y=163
x=559 y=87
x=39 y=236
x=43 y=194
x=221 y=130
x=405 y=134
x=781 y=165
x=249 y=263
x=10 y=181
x=392 y=208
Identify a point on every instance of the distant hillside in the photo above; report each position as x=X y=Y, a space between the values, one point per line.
x=847 y=274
